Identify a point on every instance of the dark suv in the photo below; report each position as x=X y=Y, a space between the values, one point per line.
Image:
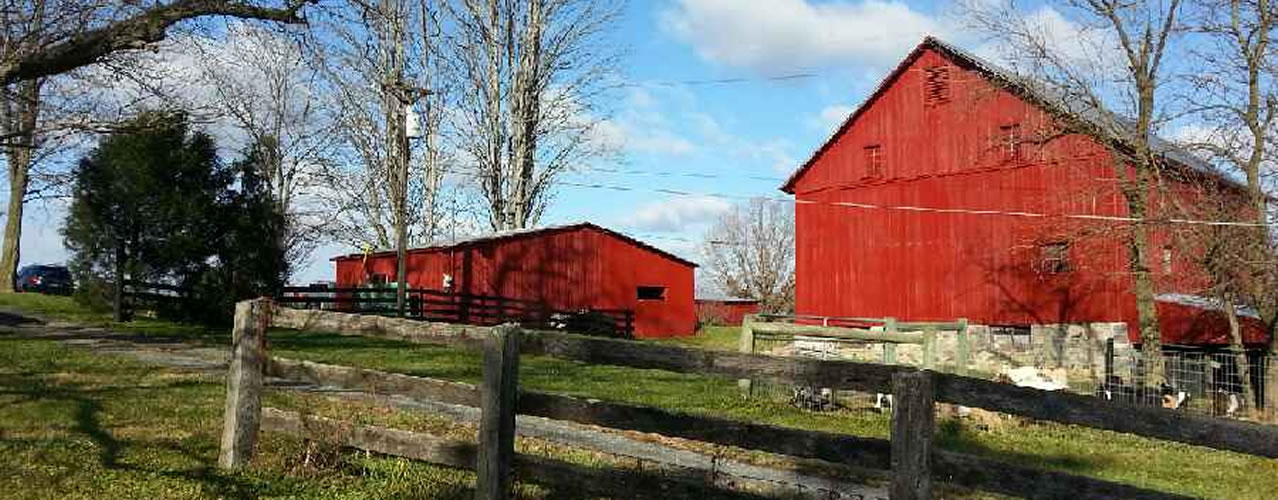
x=44 y=279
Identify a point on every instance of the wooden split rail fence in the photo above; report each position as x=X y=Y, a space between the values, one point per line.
x=910 y=456
x=887 y=331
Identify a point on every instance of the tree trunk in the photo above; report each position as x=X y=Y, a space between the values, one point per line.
x=22 y=114
x=117 y=298
x=1240 y=352
x=19 y=161
x=1143 y=284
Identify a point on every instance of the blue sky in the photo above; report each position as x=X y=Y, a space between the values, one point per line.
x=749 y=135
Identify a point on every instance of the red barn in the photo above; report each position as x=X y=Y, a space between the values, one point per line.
x=935 y=201
x=725 y=311
x=568 y=268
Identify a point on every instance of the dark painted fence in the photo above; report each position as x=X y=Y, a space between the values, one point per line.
x=471 y=309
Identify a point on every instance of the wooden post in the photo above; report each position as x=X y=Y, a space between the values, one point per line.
x=964 y=347
x=497 y=423
x=889 y=349
x=244 y=382
x=912 y=419
x=747 y=347
x=929 y=347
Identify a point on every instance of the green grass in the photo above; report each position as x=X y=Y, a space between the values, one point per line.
x=1143 y=462
x=74 y=425
x=717 y=338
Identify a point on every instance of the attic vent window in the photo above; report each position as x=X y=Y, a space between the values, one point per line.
x=874 y=161
x=1054 y=258
x=936 y=85
x=651 y=293
x=1010 y=140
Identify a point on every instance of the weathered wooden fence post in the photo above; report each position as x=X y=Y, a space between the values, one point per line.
x=912 y=418
x=746 y=347
x=964 y=347
x=889 y=349
x=497 y=424
x=929 y=347
x=244 y=382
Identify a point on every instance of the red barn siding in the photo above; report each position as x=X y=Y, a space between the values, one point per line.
x=921 y=265
x=726 y=312
x=578 y=267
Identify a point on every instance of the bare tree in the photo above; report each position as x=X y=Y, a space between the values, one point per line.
x=528 y=75
x=38 y=44
x=1125 y=46
x=1235 y=93
x=749 y=253
x=259 y=84
x=83 y=32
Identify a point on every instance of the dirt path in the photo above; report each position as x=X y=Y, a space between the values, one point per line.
x=175 y=353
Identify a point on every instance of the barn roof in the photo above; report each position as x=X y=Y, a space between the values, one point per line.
x=1094 y=121
x=526 y=233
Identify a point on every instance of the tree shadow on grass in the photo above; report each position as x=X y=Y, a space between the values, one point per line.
x=86 y=416
x=957 y=435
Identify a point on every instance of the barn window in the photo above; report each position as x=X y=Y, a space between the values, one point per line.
x=651 y=293
x=1167 y=259
x=1009 y=137
x=1054 y=257
x=378 y=279
x=874 y=161
x=936 y=85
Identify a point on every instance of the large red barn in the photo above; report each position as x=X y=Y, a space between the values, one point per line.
x=568 y=267
x=932 y=201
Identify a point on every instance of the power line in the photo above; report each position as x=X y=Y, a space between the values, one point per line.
x=913 y=208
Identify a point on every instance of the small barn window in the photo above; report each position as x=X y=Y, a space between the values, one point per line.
x=1009 y=137
x=1054 y=258
x=936 y=85
x=378 y=279
x=1167 y=259
x=874 y=161
x=651 y=293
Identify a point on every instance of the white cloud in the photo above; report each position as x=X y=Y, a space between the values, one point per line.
x=678 y=213
x=641 y=128
x=831 y=117
x=774 y=35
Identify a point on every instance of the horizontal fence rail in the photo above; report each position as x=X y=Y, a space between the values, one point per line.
x=1054 y=406
x=866 y=453
x=456 y=307
x=915 y=456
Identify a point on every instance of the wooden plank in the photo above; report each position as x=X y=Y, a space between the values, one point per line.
x=913 y=415
x=374 y=382
x=572 y=478
x=889 y=349
x=964 y=347
x=866 y=453
x=244 y=383
x=414 y=445
x=497 y=397
x=746 y=347
x=838 y=374
x=929 y=348
x=838 y=332
x=1159 y=423
x=401 y=329
x=1061 y=407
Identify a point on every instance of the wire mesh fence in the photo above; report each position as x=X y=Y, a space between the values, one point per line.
x=1216 y=382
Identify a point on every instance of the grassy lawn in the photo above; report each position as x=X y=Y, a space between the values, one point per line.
x=1148 y=463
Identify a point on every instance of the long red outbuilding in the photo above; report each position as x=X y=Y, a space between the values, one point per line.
x=955 y=190
x=568 y=267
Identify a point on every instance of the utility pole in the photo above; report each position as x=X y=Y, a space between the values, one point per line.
x=397 y=99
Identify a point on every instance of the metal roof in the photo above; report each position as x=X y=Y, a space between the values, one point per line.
x=520 y=233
